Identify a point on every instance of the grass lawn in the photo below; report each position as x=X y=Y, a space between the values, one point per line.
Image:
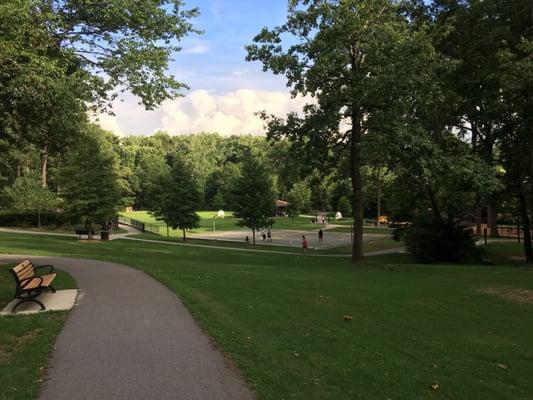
x=381 y=243
x=26 y=342
x=506 y=252
x=280 y=318
x=222 y=224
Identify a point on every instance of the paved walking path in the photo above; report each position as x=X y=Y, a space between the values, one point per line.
x=129 y=337
x=114 y=236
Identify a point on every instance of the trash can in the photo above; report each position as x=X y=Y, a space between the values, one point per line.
x=104 y=235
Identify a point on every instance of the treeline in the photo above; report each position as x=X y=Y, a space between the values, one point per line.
x=215 y=162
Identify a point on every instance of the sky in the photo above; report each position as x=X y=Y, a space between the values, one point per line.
x=225 y=90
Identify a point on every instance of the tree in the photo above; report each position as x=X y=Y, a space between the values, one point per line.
x=175 y=198
x=365 y=65
x=478 y=31
x=28 y=194
x=89 y=180
x=345 y=207
x=516 y=78
x=255 y=199
x=60 y=57
x=299 y=199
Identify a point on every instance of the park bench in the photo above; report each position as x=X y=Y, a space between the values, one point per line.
x=81 y=232
x=29 y=284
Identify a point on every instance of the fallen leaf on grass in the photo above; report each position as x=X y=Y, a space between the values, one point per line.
x=435 y=386
x=503 y=366
x=347 y=318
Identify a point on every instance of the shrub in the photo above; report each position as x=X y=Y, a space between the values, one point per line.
x=430 y=241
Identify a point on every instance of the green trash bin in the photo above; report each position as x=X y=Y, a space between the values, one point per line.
x=104 y=235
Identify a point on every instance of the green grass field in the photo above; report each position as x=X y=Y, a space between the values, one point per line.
x=279 y=317
x=222 y=224
x=26 y=342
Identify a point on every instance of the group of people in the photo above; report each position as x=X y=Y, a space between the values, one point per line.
x=267 y=236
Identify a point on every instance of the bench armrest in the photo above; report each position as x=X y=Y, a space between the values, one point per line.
x=51 y=267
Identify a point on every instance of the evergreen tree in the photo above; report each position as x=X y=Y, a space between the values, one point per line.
x=254 y=196
x=176 y=198
x=89 y=180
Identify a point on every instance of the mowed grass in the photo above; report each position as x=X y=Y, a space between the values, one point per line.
x=228 y=223
x=26 y=342
x=280 y=319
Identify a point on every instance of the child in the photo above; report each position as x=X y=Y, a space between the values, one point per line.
x=305 y=245
x=269 y=236
x=320 y=236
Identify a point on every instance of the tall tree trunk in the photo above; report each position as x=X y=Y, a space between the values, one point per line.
x=478 y=219
x=492 y=222
x=39 y=218
x=526 y=223
x=44 y=166
x=184 y=237
x=357 y=187
x=475 y=140
x=378 y=224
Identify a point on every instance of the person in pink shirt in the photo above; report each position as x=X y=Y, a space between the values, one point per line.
x=305 y=245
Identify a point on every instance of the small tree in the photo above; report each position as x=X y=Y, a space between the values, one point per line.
x=176 y=198
x=299 y=199
x=344 y=206
x=255 y=200
x=28 y=194
x=89 y=180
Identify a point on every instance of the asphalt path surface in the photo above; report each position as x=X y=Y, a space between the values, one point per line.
x=129 y=337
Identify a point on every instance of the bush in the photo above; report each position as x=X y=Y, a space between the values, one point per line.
x=398 y=234
x=344 y=206
x=429 y=241
x=23 y=219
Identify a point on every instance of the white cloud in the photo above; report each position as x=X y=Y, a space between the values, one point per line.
x=227 y=114
x=197 y=49
x=107 y=122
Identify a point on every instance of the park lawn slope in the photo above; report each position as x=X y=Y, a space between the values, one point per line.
x=281 y=319
x=228 y=223
x=26 y=341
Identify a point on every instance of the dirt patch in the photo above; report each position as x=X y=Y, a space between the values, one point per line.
x=522 y=296
x=15 y=345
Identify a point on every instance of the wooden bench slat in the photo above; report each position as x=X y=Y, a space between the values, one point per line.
x=36 y=282
x=23 y=265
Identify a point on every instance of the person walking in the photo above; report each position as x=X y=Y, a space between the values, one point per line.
x=264 y=235
x=320 y=236
x=305 y=245
x=269 y=236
